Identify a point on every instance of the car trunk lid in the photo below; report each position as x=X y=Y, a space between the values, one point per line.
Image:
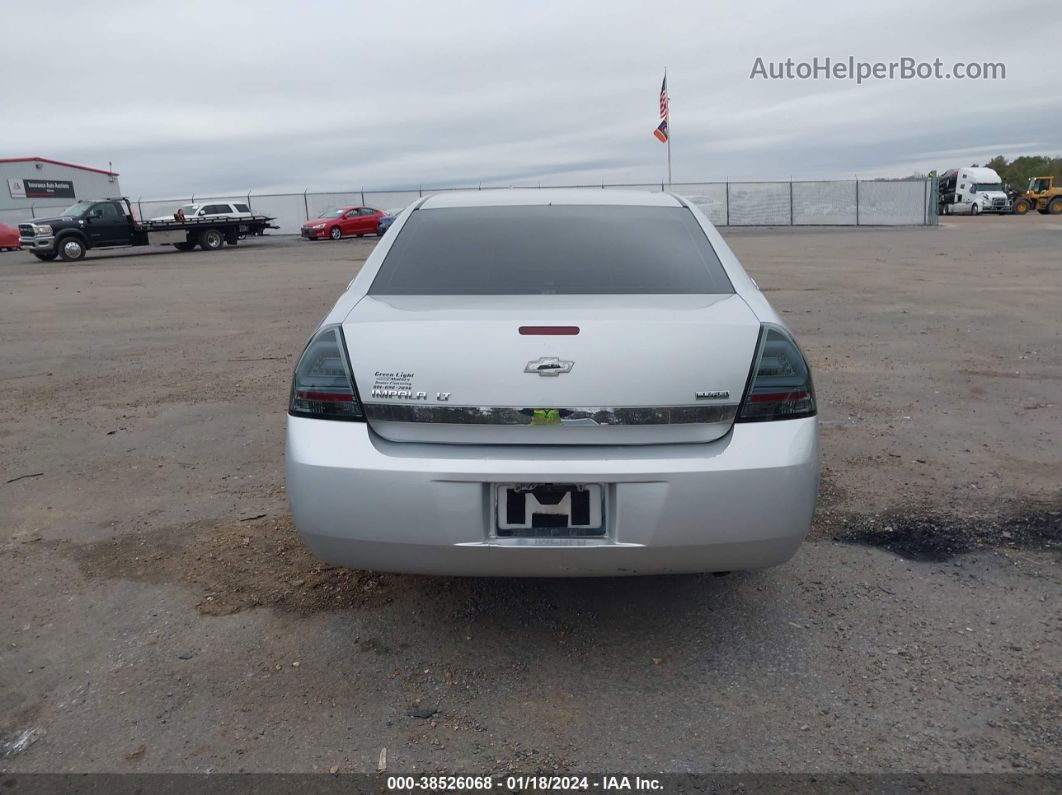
x=640 y=369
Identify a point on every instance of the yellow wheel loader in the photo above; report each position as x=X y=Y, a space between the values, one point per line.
x=1042 y=195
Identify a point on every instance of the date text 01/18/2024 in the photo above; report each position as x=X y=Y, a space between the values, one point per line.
x=524 y=783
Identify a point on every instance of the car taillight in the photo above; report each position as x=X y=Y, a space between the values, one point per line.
x=779 y=385
x=323 y=386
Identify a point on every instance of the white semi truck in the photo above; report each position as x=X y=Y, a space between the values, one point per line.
x=972 y=190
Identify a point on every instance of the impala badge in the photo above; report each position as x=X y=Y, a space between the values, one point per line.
x=549 y=365
x=715 y=394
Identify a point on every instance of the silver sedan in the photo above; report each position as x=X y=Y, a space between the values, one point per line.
x=552 y=383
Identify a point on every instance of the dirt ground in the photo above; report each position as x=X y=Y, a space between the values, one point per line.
x=157 y=612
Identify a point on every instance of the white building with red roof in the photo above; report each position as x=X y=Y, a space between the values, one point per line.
x=34 y=186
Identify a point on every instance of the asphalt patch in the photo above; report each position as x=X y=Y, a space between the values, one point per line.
x=936 y=538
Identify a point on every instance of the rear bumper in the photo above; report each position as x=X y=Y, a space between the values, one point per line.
x=744 y=501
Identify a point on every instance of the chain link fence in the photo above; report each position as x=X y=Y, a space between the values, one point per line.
x=783 y=203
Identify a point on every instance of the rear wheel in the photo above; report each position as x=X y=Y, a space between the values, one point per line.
x=335 y=233
x=45 y=256
x=185 y=246
x=1022 y=206
x=1055 y=207
x=71 y=249
x=210 y=240
x=975 y=209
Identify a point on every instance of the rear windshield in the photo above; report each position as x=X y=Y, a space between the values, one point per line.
x=556 y=249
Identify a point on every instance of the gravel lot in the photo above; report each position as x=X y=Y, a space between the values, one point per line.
x=157 y=612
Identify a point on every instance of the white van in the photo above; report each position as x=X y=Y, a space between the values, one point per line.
x=972 y=190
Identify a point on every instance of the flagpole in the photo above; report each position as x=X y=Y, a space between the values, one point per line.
x=668 y=98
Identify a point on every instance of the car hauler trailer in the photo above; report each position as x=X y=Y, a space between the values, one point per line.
x=111 y=223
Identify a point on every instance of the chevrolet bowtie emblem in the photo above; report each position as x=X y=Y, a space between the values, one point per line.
x=549 y=365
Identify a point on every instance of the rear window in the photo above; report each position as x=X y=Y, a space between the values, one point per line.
x=242 y=208
x=556 y=249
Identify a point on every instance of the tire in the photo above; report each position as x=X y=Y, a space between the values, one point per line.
x=1022 y=206
x=335 y=233
x=1055 y=207
x=975 y=209
x=185 y=246
x=45 y=256
x=211 y=240
x=71 y=249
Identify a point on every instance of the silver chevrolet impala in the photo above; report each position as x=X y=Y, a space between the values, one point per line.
x=552 y=383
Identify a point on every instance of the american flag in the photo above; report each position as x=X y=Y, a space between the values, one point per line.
x=662 y=132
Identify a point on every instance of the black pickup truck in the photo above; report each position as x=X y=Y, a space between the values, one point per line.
x=110 y=223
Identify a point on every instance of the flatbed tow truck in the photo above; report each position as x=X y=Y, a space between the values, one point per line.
x=111 y=223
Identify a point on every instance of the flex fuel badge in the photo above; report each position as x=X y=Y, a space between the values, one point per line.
x=545 y=417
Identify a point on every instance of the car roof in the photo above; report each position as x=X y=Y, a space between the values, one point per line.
x=508 y=197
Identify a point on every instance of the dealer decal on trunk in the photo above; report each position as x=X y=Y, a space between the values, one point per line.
x=399 y=386
x=396 y=385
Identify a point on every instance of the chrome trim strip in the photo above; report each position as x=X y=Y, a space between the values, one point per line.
x=570 y=417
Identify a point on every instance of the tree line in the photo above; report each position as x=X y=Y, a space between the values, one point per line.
x=1016 y=172
x=1020 y=170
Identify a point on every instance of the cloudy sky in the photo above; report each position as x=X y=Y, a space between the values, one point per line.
x=224 y=96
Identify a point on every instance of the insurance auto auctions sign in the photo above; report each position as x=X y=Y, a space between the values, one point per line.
x=40 y=189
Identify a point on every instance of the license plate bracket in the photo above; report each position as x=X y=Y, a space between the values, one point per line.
x=549 y=510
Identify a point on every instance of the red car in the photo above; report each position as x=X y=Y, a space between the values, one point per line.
x=343 y=222
x=8 y=238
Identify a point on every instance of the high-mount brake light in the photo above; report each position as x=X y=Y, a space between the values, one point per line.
x=549 y=331
x=323 y=386
x=779 y=385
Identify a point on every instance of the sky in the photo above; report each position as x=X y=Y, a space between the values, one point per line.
x=229 y=97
